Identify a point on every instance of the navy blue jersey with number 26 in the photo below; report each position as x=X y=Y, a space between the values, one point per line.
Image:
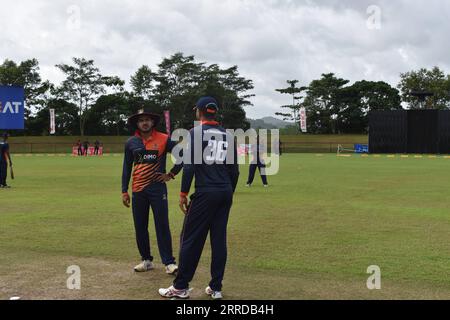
x=213 y=163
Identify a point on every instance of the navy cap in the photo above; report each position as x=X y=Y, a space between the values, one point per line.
x=207 y=104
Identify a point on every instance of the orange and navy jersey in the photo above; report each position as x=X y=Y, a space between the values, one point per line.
x=144 y=160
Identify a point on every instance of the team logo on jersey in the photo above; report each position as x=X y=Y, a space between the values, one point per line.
x=147 y=156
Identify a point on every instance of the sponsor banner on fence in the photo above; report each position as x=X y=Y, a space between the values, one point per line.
x=52 y=121
x=12 y=107
x=167 y=118
x=303 y=119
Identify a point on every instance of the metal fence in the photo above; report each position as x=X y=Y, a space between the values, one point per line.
x=315 y=147
x=58 y=147
x=287 y=147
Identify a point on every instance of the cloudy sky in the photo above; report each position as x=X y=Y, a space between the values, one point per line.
x=270 y=40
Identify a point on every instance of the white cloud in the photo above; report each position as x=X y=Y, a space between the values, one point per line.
x=271 y=41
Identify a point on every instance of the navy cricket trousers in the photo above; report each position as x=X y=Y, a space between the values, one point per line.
x=208 y=212
x=3 y=172
x=252 y=170
x=154 y=196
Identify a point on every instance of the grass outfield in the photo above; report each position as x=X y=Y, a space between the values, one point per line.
x=310 y=235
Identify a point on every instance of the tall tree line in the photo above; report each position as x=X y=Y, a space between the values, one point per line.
x=334 y=106
x=90 y=103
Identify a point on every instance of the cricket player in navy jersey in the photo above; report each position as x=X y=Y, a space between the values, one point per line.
x=4 y=158
x=257 y=162
x=213 y=163
x=145 y=160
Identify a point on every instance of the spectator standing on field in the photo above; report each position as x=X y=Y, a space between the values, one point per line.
x=257 y=163
x=96 y=147
x=85 y=147
x=79 y=147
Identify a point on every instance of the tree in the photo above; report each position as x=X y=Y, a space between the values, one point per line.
x=356 y=101
x=98 y=104
x=377 y=96
x=142 y=82
x=10 y=73
x=26 y=74
x=231 y=91
x=180 y=81
x=289 y=130
x=322 y=105
x=434 y=81
x=36 y=91
x=66 y=119
x=108 y=116
x=294 y=113
x=177 y=79
x=83 y=85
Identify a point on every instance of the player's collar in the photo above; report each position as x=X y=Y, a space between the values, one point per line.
x=211 y=123
x=137 y=133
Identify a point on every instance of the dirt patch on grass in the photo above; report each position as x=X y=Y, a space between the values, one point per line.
x=46 y=278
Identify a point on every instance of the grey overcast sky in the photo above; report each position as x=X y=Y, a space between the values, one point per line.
x=271 y=41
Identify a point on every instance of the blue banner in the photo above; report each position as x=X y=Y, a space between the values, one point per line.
x=361 y=148
x=12 y=107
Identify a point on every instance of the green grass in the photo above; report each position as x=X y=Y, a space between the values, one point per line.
x=310 y=235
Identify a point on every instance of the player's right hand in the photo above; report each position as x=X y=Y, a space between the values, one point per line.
x=183 y=203
x=126 y=199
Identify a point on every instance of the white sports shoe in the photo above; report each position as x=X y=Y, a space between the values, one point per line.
x=171 y=268
x=144 y=266
x=215 y=295
x=171 y=292
x=248 y=185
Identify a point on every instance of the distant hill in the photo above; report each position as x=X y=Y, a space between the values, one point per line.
x=277 y=122
x=269 y=123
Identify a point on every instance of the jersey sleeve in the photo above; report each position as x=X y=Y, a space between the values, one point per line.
x=188 y=168
x=127 y=168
